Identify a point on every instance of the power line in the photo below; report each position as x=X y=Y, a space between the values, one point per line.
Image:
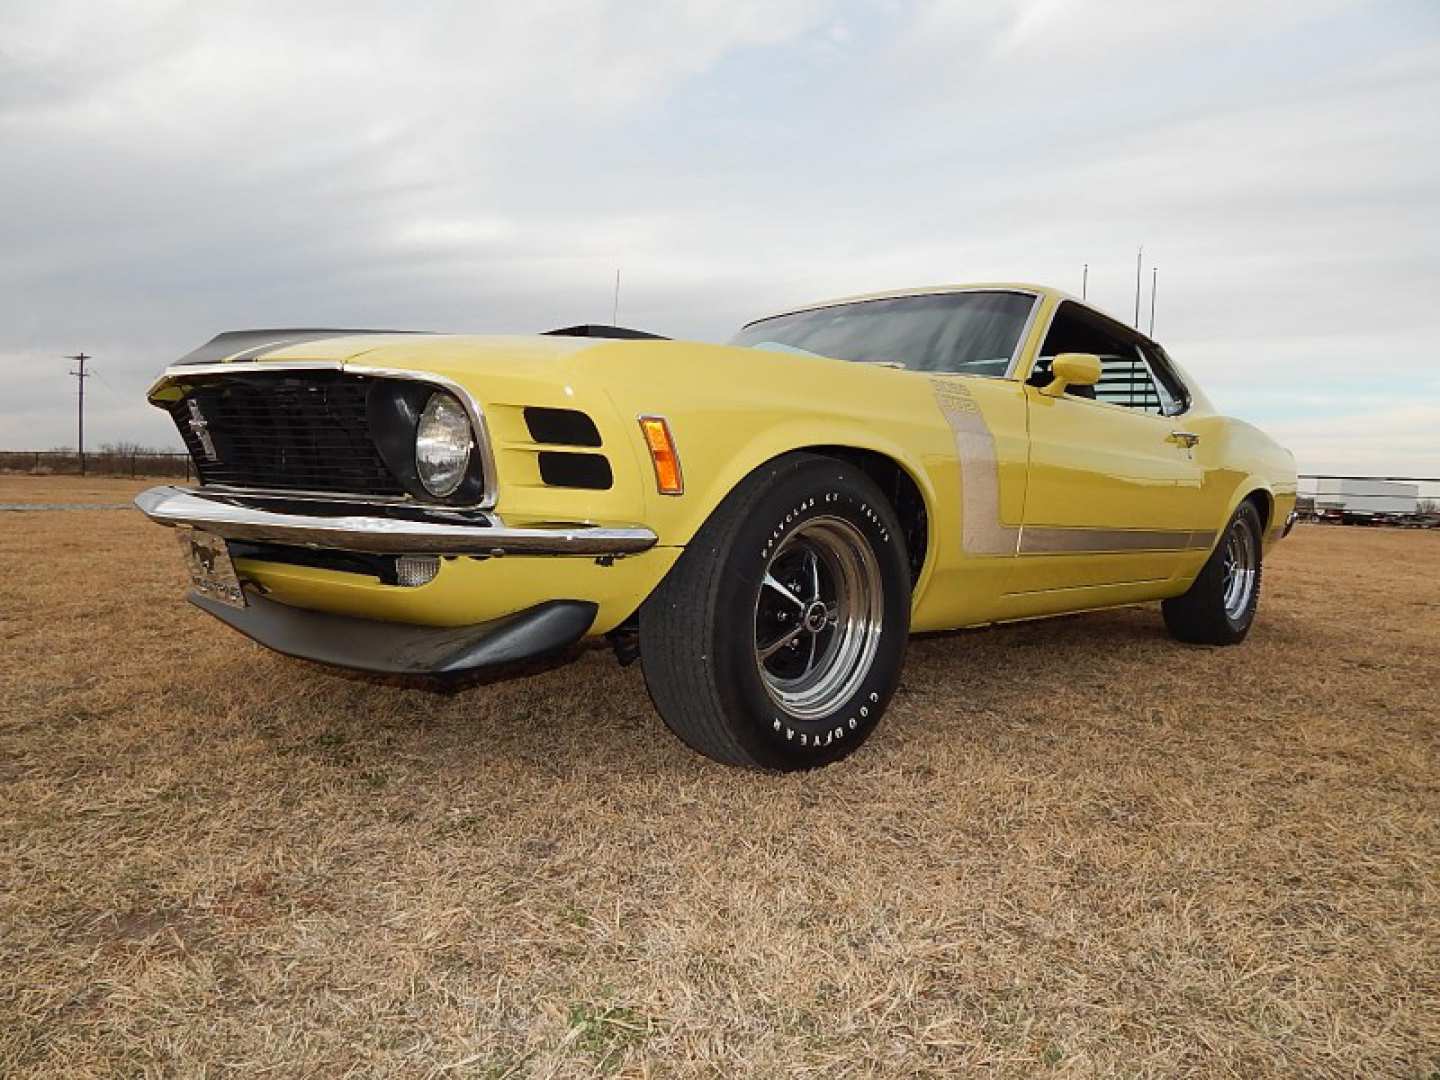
x=80 y=377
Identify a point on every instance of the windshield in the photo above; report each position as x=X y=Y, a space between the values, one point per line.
x=969 y=333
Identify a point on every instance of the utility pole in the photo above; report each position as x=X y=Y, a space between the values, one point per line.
x=1085 y=281
x=1140 y=251
x=1154 y=280
x=80 y=377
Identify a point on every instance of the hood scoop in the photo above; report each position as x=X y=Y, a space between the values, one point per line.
x=596 y=330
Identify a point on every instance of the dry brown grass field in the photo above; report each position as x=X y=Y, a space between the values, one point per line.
x=26 y=488
x=1073 y=849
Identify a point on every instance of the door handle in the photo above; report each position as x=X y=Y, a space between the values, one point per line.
x=1186 y=439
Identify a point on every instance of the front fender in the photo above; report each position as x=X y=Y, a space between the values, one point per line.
x=731 y=410
x=783 y=438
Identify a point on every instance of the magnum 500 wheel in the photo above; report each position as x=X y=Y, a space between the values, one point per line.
x=1220 y=606
x=776 y=640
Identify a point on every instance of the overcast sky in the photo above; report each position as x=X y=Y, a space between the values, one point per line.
x=169 y=170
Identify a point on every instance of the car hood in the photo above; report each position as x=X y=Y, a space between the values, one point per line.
x=240 y=346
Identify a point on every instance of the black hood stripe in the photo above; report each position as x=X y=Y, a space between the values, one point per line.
x=253 y=344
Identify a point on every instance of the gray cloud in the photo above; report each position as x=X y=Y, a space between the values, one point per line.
x=174 y=169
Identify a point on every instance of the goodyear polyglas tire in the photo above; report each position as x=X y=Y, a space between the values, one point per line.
x=1219 y=608
x=777 y=639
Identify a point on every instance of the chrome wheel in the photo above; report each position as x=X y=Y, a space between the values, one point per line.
x=1241 y=561
x=818 y=617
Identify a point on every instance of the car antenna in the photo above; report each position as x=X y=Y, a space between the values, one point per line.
x=1139 y=252
x=1154 y=280
x=615 y=308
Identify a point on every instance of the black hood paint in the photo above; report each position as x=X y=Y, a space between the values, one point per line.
x=242 y=345
x=252 y=344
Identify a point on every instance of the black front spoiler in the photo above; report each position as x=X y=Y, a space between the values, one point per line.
x=389 y=648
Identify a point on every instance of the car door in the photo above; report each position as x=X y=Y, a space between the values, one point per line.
x=1113 y=492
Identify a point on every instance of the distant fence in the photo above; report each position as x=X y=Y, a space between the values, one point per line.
x=123 y=463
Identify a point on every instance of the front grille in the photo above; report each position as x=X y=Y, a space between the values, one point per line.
x=292 y=432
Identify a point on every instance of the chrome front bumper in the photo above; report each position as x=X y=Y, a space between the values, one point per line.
x=379 y=530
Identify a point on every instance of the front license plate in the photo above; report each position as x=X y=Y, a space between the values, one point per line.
x=211 y=570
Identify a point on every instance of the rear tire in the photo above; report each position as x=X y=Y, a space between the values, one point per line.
x=777 y=639
x=1219 y=607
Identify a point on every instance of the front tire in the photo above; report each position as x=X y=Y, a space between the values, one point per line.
x=777 y=639
x=1220 y=607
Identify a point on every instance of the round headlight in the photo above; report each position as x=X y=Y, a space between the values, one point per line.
x=442 y=444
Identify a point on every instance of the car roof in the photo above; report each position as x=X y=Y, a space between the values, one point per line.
x=1041 y=291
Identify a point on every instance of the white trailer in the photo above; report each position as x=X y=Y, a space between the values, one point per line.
x=1365 y=500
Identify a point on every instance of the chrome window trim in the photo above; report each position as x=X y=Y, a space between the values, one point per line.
x=1162 y=392
x=1187 y=397
x=1010 y=370
x=1061 y=301
x=1037 y=299
x=489 y=481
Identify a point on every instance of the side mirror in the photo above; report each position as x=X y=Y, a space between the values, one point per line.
x=1072 y=369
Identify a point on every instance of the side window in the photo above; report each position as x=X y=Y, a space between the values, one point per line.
x=1125 y=373
x=1174 y=398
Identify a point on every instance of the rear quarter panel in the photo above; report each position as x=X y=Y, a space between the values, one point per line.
x=1239 y=460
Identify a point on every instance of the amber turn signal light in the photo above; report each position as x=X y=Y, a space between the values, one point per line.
x=662 y=453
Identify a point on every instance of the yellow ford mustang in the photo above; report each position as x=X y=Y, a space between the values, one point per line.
x=763 y=522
